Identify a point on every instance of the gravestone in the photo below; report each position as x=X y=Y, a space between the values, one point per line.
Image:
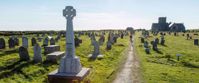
x=16 y=40
x=11 y=42
x=33 y=41
x=146 y=44
x=25 y=42
x=96 y=51
x=155 y=46
x=52 y=41
x=45 y=42
x=187 y=36
x=55 y=56
x=23 y=54
x=101 y=40
x=162 y=41
x=156 y=40
x=70 y=67
x=108 y=45
x=37 y=53
x=142 y=40
x=195 y=41
x=2 y=43
x=92 y=38
x=77 y=41
x=122 y=36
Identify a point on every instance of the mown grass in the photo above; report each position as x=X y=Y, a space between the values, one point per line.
x=157 y=67
x=102 y=70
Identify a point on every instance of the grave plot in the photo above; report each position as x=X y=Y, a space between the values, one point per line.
x=176 y=60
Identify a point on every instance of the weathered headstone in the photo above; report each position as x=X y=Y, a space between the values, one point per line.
x=23 y=54
x=16 y=40
x=195 y=41
x=33 y=41
x=25 y=42
x=37 y=53
x=11 y=43
x=108 y=45
x=2 y=43
x=162 y=41
x=45 y=42
x=142 y=40
x=155 y=46
x=96 y=51
x=52 y=41
x=101 y=40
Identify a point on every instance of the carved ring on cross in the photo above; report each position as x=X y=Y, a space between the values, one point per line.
x=69 y=12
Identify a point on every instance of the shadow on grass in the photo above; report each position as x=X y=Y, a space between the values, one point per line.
x=14 y=69
x=8 y=52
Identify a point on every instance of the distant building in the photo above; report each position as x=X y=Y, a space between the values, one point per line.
x=129 y=29
x=162 y=25
x=177 y=27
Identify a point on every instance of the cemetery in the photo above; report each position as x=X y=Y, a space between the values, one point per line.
x=95 y=42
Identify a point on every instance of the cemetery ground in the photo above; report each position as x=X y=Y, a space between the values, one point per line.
x=163 y=66
x=102 y=70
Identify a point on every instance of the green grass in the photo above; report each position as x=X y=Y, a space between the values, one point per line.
x=102 y=71
x=158 y=68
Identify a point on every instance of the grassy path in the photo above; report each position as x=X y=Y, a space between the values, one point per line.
x=130 y=71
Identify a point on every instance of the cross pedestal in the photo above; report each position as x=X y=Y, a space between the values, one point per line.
x=55 y=77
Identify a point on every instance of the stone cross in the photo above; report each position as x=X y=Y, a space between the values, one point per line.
x=70 y=64
x=69 y=13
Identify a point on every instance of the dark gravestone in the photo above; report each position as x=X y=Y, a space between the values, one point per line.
x=195 y=41
x=108 y=45
x=2 y=43
x=155 y=46
x=23 y=54
x=77 y=41
x=147 y=50
x=162 y=41
x=45 y=42
x=33 y=41
x=16 y=40
x=122 y=36
x=142 y=40
x=11 y=43
x=187 y=36
x=52 y=41
x=156 y=40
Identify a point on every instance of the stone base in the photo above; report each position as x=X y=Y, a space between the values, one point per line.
x=55 y=77
x=96 y=56
x=55 y=56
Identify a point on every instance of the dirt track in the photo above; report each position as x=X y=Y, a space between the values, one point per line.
x=130 y=70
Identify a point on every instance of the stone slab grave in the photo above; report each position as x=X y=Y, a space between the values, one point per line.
x=51 y=49
x=55 y=56
x=70 y=68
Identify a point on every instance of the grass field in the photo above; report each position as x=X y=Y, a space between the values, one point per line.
x=102 y=71
x=159 y=68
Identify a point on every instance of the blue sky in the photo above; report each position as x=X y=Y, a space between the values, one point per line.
x=96 y=14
